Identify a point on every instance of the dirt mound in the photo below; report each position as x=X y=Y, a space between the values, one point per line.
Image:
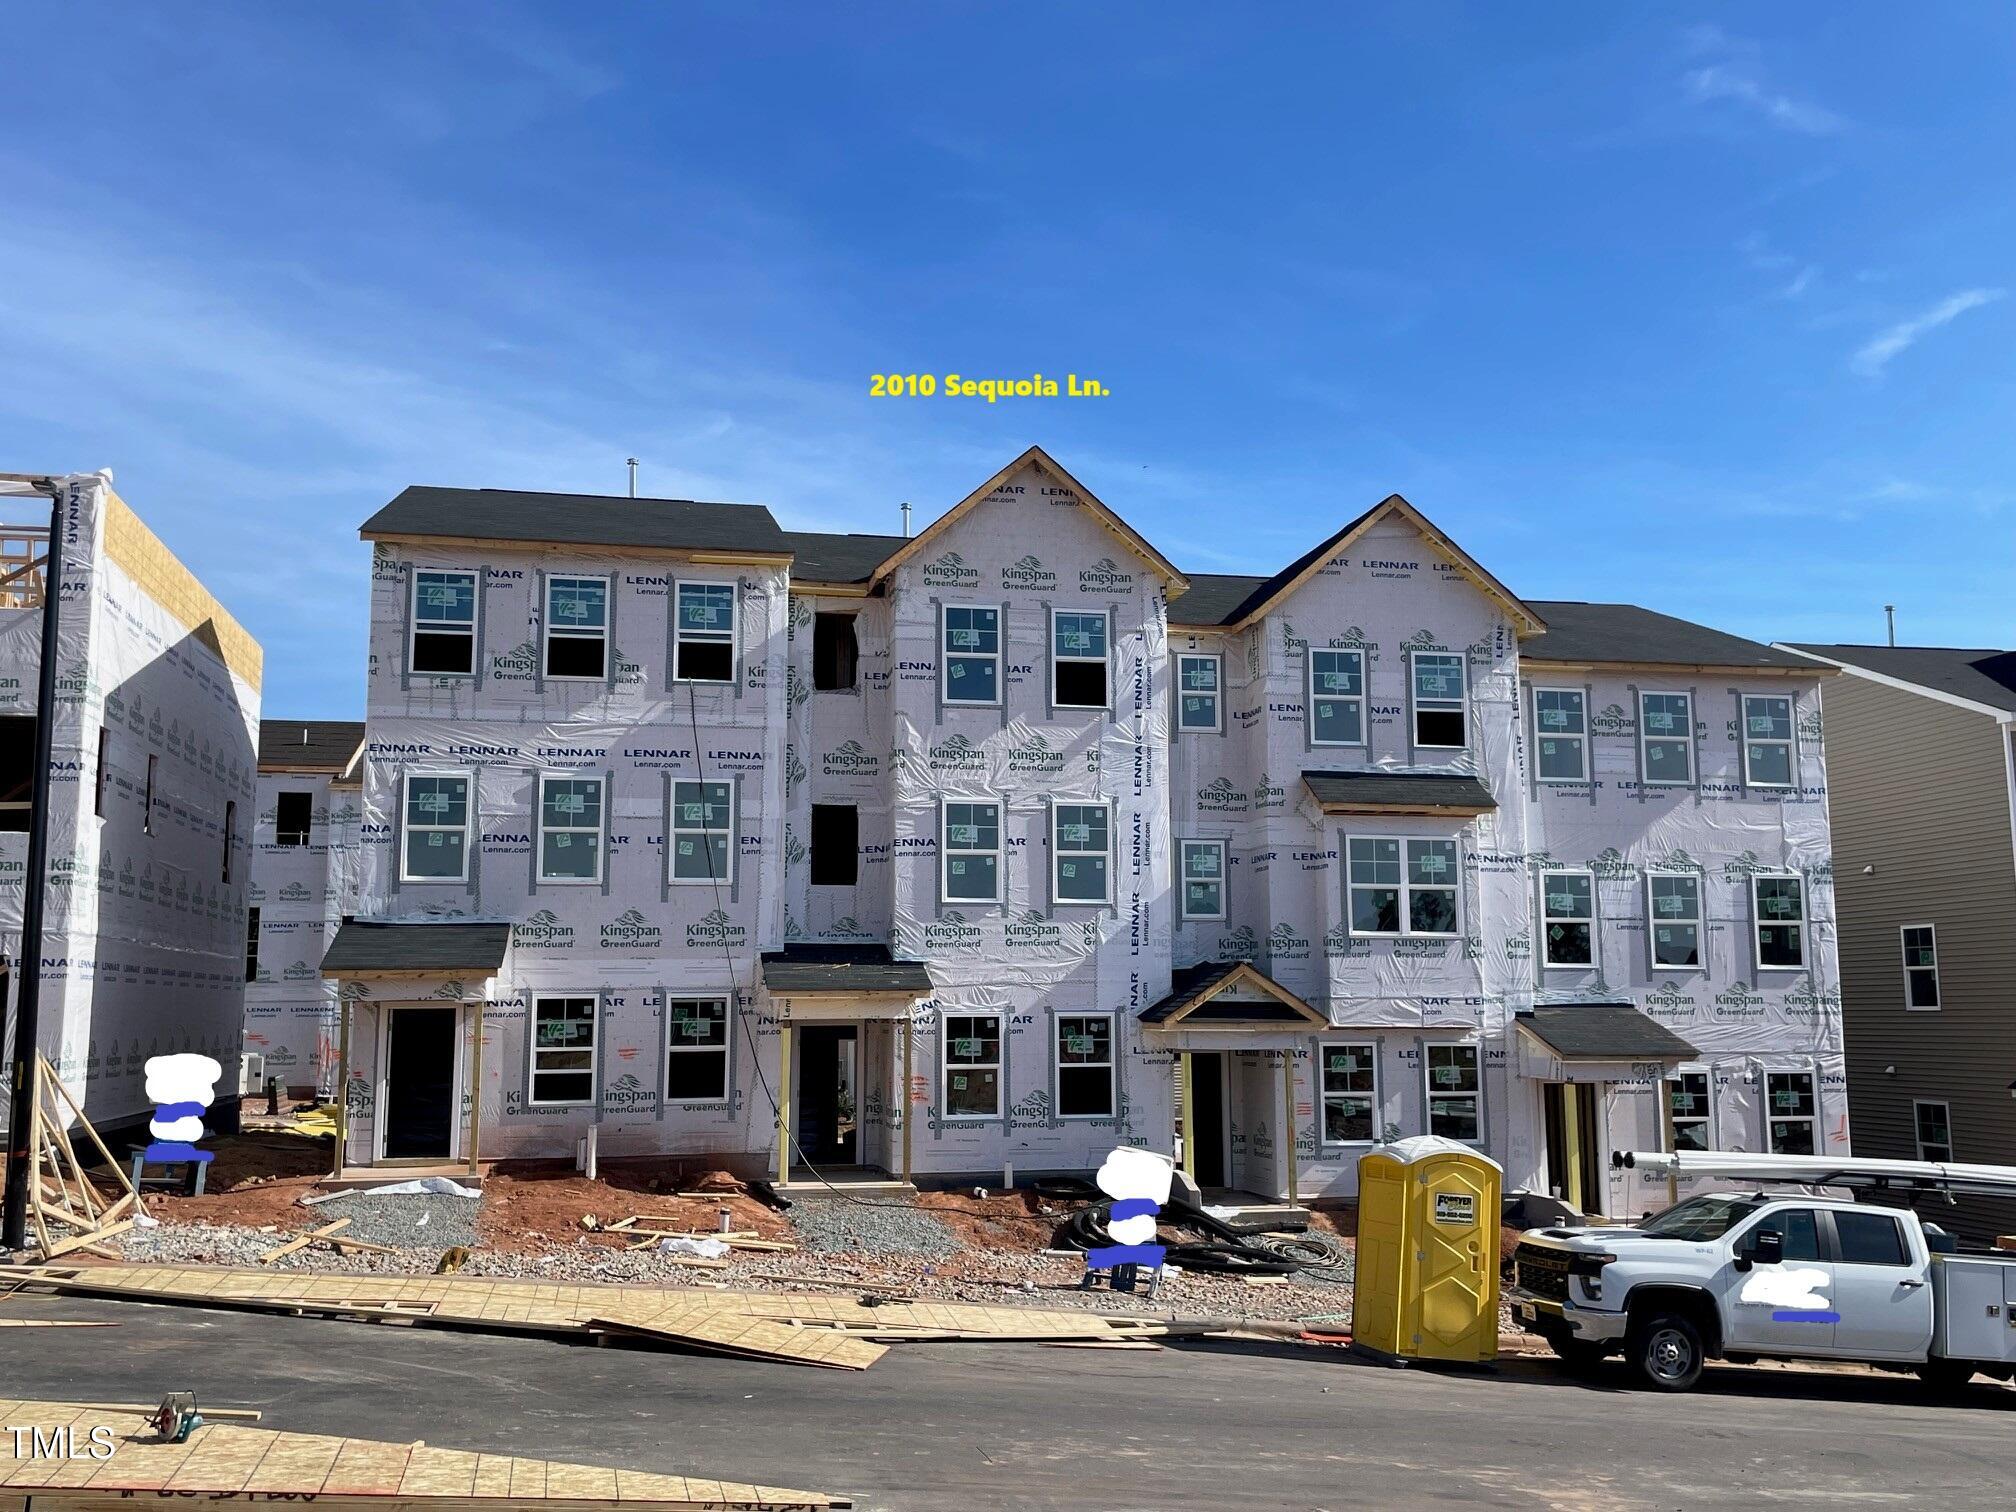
x=531 y=1205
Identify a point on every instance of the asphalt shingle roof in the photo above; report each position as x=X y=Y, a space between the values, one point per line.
x=1189 y=983
x=1579 y=632
x=309 y=743
x=1979 y=675
x=839 y=558
x=503 y=514
x=1373 y=789
x=1603 y=1031
x=841 y=968
x=365 y=945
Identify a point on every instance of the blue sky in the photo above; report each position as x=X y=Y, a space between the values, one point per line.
x=1705 y=308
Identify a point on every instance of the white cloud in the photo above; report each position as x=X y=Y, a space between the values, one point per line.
x=1730 y=81
x=1875 y=355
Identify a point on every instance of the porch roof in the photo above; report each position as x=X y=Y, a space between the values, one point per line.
x=364 y=947
x=1198 y=994
x=1377 y=792
x=859 y=969
x=1602 y=1032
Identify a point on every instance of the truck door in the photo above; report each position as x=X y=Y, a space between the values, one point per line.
x=1882 y=1286
x=1785 y=1308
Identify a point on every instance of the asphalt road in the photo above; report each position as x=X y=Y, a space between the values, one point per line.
x=933 y=1426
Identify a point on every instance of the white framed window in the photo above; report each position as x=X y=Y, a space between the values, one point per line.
x=1085 y=1065
x=696 y=1050
x=570 y=827
x=1666 y=738
x=443 y=639
x=1920 y=943
x=1778 y=907
x=1767 y=740
x=971 y=643
x=1560 y=734
x=1402 y=886
x=1791 y=1115
x=1693 y=1115
x=577 y=629
x=1673 y=919
x=435 y=846
x=1203 y=895
x=969 y=852
x=1200 y=694
x=1441 y=708
x=1568 y=918
x=1336 y=697
x=1933 y=1124
x=703 y=632
x=1079 y=641
x=972 y=1062
x=1350 y=1077
x=703 y=832
x=563 y=1050
x=1455 y=1092
x=1081 y=853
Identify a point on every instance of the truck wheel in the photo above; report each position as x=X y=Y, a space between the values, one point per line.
x=1946 y=1376
x=1665 y=1350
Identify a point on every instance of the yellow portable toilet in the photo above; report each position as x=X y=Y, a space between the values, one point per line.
x=1427 y=1279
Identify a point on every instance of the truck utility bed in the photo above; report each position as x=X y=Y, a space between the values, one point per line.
x=1975 y=1307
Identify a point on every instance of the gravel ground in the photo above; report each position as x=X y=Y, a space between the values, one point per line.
x=421 y=1221
x=838 y=1226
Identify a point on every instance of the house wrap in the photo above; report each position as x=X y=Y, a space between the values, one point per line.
x=151 y=793
x=1012 y=841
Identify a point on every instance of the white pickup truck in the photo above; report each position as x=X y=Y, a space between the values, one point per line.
x=1741 y=1275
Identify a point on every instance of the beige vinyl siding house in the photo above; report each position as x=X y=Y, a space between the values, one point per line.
x=1919 y=761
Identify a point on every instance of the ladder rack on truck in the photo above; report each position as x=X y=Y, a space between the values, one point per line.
x=1828 y=1170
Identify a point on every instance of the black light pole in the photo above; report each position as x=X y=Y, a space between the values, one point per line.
x=21 y=1078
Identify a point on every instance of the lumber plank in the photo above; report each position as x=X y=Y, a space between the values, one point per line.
x=302 y=1241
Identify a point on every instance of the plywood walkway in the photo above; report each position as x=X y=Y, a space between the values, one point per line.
x=836 y=1332
x=220 y=1462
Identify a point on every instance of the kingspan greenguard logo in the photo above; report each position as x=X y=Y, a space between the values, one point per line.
x=951 y=931
x=851 y=760
x=1219 y=796
x=716 y=929
x=1739 y=1002
x=846 y=927
x=1105 y=576
x=1677 y=860
x=1035 y=757
x=627 y=1092
x=1738 y=867
x=794 y=769
x=956 y=754
x=1611 y=720
x=1667 y=1001
x=519 y=664
x=1033 y=932
x=1340 y=944
x=1809 y=726
x=950 y=571
x=1611 y=865
x=1807 y=1001
x=1283 y=944
x=542 y=931
x=74 y=681
x=630 y=930
x=1422 y=640
x=1820 y=873
x=1269 y=794
x=1240 y=944
x=300 y=971
x=1292 y=644
x=1028 y=574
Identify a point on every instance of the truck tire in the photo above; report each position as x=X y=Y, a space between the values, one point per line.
x=1665 y=1350
x=1946 y=1377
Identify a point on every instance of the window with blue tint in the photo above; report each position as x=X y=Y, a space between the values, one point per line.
x=436 y=842
x=577 y=627
x=703 y=633
x=1441 y=706
x=444 y=624
x=1673 y=903
x=1666 y=738
x=1561 y=735
x=1336 y=697
x=972 y=655
x=1767 y=741
x=1198 y=696
x=1203 y=863
x=570 y=829
x=970 y=849
x=1078 y=660
x=703 y=832
x=1081 y=853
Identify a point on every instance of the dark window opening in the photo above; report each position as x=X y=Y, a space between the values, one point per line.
x=450 y=654
x=1081 y=685
x=147 y=812
x=835 y=652
x=291 y=818
x=836 y=844
x=230 y=828
x=251 y=944
x=574 y=656
x=706 y=661
x=17 y=771
x=1440 y=727
x=1869 y=1239
x=104 y=771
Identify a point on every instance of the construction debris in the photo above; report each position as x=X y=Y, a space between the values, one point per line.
x=218 y=1462
x=302 y=1241
x=60 y=1194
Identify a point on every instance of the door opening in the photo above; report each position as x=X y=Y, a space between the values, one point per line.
x=419 y=1083
x=1207 y=1118
x=828 y=1078
x=1574 y=1169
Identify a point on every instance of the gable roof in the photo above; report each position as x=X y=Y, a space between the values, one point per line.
x=508 y=514
x=1266 y=592
x=308 y=745
x=1368 y=790
x=1981 y=677
x=1036 y=457
x=1595 y=634
x=1194 y=993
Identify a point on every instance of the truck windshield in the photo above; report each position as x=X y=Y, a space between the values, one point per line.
x=1700 y=1218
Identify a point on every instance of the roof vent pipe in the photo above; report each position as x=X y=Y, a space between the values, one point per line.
x=1890 y=619
x=906 y=519
x=631 y=463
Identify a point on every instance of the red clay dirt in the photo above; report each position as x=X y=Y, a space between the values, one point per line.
x=532 y=1205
